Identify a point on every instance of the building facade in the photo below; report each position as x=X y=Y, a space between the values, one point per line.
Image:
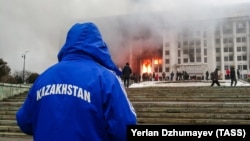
x=205 y=45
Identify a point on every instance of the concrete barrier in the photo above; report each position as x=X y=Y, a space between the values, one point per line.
x=8 y=90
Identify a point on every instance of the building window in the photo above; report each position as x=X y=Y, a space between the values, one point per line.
x=191 y=59
x=244 y=48
x=240 y=30
x=238 y=49
x=227 y=31
x=238 y=39
x=185 y=60
x=167 y=69
x=230 y=40
x=198 y=59
x=231 y=58
x=244 y=58
x=205 y=51
x=231 y=49
x=217 y=50
x=225 y=40
x=243 y=39
x=244 y=67
x=185 y=51
x=238 y=58
x=240 y=25
x=239 y=67
x=205 y=59
x=179 y=53
x=226 y=58
x=218 y=58
x=198 y=50
x=217 y=41
x=167 y=52
x=167 y=61
x=179 y=61
x=191 y=51
x=225 y=49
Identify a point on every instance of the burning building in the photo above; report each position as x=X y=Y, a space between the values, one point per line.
x=195 y=47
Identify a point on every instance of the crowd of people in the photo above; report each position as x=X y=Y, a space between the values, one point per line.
x=214 y=76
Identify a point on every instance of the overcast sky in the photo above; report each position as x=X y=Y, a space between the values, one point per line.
x=40 y=26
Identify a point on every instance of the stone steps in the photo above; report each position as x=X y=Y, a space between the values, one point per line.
x=191 y=105
x=8 y=124
x=191 y=121
x=163 y=105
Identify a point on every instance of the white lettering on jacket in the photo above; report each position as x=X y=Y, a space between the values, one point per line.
x=65 y=89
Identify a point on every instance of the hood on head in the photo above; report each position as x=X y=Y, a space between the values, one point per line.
x=85 y=39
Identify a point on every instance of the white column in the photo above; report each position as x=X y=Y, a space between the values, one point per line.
x=222 y=68
x=248 y=48
x=235 y=63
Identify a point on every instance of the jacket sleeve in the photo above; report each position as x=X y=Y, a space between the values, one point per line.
x=118 y=112
x=24 y=115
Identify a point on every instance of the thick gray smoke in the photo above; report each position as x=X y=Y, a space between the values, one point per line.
x=40 y=26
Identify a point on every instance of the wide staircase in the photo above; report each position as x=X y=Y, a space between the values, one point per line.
x=191 y=105
x=164 y=105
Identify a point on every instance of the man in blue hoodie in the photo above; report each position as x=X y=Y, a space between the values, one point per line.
x=80 y=98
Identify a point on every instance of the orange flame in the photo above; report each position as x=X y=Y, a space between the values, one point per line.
x=146 y=66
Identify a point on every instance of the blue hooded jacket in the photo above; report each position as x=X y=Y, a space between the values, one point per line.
x=80 y=98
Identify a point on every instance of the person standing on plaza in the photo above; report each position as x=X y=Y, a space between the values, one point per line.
x=227 y=73
x=126 y=72
x=238 y=73
x=80 y=98
x=233 y=76
x=163 y=76
x=172 y=76
x=207 y=75
x=215 y=77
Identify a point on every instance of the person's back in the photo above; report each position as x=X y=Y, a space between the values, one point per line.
x=127 y=70
x=79 y=98
x=126 y=74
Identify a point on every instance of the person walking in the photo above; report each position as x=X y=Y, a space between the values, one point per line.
x=215 y=77
x=126 y=72
x=233 y=76
x=80 y=98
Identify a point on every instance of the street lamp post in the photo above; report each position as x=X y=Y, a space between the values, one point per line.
x=24 y=56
